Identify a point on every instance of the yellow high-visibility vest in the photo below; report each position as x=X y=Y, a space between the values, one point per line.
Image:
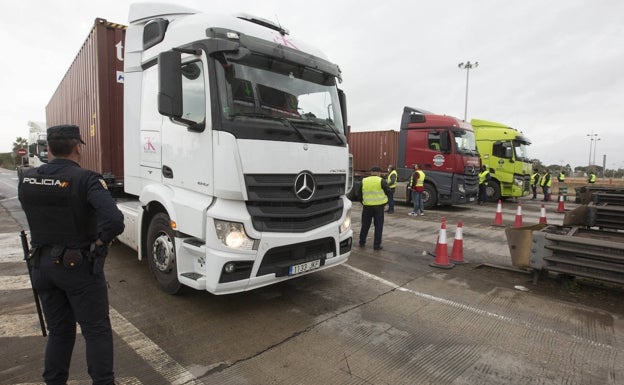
x=421 y=179
x=546 y=180
x=535 y=178
x=482 y=177
x=396 y=177
x=372 y=192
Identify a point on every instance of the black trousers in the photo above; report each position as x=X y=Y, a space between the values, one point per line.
x=482 y=193
x=69 y=296
x=391 y=201
x=374 y=214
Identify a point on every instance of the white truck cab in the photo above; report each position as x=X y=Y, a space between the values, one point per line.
x=235 y=151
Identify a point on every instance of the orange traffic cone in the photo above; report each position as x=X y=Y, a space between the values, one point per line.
x=518 y=221
x=457 y=255
x=442 y=259
x=543 y=215
x=498 y=219
x=560 y=208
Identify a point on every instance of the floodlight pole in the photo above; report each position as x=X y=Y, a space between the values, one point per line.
x=591 y=142
x=467 y=66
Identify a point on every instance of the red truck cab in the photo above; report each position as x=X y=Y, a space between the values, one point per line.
x=445 y=148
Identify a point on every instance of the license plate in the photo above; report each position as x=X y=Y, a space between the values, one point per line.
x=303 y=267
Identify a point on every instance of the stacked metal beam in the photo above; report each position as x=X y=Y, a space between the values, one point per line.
x=594 y=249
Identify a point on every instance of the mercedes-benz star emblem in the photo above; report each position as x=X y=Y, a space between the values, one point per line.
x=305 y=186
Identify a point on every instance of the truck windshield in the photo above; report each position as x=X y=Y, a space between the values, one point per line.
x=465 y=142
x=263 y=98
x=521 y=151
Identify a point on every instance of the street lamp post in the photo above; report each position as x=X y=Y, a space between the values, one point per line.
x=594 y=158
x=467 y=66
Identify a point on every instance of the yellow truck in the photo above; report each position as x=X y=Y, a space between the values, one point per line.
x=504 y=150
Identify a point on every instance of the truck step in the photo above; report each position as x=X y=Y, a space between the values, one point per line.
x=194 y=246
x=194 y=242
x=192 y=275
x=194 y=280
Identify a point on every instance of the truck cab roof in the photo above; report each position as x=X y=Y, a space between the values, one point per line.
x=414 y=118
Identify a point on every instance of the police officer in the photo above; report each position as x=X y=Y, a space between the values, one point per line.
x=592 y=177
x=374 y=197
x=561 y=177
x=484 y=177
x=392 y=182
x=72 y=218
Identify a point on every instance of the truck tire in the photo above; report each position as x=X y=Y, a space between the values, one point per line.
x=493 y=191
x=430 y=196
x=161 y=255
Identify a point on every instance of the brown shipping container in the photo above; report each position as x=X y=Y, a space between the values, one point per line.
x=91 y=97
x=373 y=148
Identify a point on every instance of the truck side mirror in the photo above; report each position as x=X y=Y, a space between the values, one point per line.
x=170 y=84
x=342 y=98
x=508 y=152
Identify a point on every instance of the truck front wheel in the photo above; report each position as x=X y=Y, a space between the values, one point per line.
x=493 y=191
x=430 y=196
x=161 y=255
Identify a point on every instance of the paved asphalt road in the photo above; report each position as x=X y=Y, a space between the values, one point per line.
x=384 y=317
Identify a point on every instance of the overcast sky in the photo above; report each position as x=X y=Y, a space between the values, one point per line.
x=552 y=69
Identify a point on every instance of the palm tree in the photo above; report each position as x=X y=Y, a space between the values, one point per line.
x=20 y=143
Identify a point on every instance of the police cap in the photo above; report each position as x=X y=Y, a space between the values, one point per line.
x=375 y=168
x=64 y=131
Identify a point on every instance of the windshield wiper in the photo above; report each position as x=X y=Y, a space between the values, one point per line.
x=320 y=123
x=284 y=121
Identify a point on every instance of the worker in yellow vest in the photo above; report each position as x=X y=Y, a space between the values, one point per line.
x=374 y=197
x=546 y=182
x=535 y=179
x=393 y=176
x=592 y=177
x=484 y=177
x=417 y=185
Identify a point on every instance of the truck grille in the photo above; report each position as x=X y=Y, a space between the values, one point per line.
x=471 y=182
x=274 y=207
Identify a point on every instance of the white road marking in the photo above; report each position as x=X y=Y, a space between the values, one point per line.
x=120 y=381
x=11 y=246
x=461 y=306
x=19 y=325
x=15 y=282
x=151 y=353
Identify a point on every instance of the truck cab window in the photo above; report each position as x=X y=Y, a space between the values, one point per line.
x=433 y=140
x=264 y=98
x=499 y=149
x=465 y=141
x=521 y=151
x=193 y=92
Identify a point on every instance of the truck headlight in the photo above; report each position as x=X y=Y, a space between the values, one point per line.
x=346 y=224
x=519 y=182
x=233 y=235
